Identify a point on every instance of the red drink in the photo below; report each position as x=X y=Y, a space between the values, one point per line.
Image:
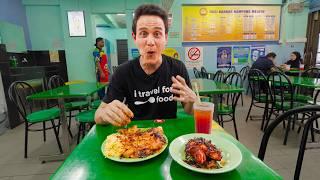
x=203 y=114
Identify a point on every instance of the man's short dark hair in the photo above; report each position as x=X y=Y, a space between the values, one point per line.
x=98 y=40
x=150 y=9
x=271 y=55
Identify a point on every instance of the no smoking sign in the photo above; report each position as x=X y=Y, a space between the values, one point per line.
x=194 y=53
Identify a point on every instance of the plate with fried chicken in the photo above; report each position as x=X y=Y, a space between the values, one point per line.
x=205 y=153
x=134 y=144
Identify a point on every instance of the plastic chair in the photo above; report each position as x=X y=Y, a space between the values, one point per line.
x=219 y=76
x=86 y=117
x=227 y=107
x=18 y=93
x=282 y=98
x=260 y=93
x=307 y=127
x=56 y=81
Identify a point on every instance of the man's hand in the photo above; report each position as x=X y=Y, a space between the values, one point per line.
x=182 y=91
x=115 y=113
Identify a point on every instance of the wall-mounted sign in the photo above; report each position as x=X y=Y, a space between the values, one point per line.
x=230 y=23
x=76 y=23
x=194 y=57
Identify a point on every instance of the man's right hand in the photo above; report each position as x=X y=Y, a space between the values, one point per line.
x=115 y=113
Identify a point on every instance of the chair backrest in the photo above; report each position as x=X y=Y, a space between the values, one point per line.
x=218 y=76
x=114 y=68
x=244 y=72
x=281 y=89
x=258 y=85
x=204 y=73
x=197 y=73
x=55 y=81
x=292 y=113
x=231 y=69
x=312 y=73
x=18 y=93
x=234 y=79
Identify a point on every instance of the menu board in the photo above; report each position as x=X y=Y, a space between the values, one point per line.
x=230 y=23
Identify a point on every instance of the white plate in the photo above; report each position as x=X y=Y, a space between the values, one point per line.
x=230 y=152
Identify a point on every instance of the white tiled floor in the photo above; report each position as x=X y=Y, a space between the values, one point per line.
x=280 y=158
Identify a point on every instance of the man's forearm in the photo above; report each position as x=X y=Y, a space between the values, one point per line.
x=188 y=107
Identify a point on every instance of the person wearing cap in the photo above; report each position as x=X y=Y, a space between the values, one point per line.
x=101 y=63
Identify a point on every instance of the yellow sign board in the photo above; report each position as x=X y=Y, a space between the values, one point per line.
x=230 y=23
x=172 y=53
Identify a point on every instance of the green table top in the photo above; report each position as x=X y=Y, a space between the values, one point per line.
x=304 y=81
x=207 y=86
x=87 y=161
x=69 y=91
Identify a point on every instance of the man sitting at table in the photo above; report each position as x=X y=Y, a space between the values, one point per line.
x=265 y=63
x=149 y=86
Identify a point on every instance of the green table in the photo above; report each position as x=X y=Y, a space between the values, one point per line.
x=61 y=93
x=87 y=161
x=213 y=88
x=305 y=81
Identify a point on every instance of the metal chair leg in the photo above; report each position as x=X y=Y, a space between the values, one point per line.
x=299 y=129
x=44 y=131
x=26 y=141
x=69 y=126
x=79 y=133
x=287 y=131
x=57 y=136
x=83 y=130
x=249 y=110
x=235 y=126
x=241 y=98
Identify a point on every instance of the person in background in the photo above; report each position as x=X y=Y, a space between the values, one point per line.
x=295 y=60
x=265 y=63
x=149 y=86
x=101 y=63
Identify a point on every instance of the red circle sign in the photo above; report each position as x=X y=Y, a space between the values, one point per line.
x=194 y=53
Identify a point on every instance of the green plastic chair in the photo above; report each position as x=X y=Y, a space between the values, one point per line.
x=85 y=117
x=18 y=93
x=56 y=81
x=95 y=104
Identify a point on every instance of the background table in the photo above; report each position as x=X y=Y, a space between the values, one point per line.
x=61 y=93
x=87 y=161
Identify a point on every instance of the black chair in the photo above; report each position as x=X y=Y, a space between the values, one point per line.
x=218 y=76
x=260 y=93
x=204 y=73
x=231 y=69
x=70 y=106
x=197 y=73
x=282 y=94
x=32 y=112
x=227 y=105
x=244 y=74
x=311 y=109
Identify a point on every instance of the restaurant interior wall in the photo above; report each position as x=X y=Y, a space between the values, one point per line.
x=292 y=37
x=79 y=49
x=13 y=36
x=13 y=12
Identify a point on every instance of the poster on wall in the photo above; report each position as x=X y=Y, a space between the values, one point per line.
x=224 y=55
x=194 y=57
x=256 y=52
x=217 y=23
x=172 y=52
x=135 y=53
x=240 y=55
x=54 y=56
x=76 y=23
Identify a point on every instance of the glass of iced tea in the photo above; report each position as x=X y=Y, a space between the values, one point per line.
x=203 y=115
x=301 y=67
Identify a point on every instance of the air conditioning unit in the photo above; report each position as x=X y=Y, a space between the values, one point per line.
x=295 y=7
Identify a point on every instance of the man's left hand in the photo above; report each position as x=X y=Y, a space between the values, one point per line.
x=182 y=91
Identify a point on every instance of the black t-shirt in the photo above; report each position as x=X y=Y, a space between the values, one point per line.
x=147 y=96
x=263 y=64
x=294 y=63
